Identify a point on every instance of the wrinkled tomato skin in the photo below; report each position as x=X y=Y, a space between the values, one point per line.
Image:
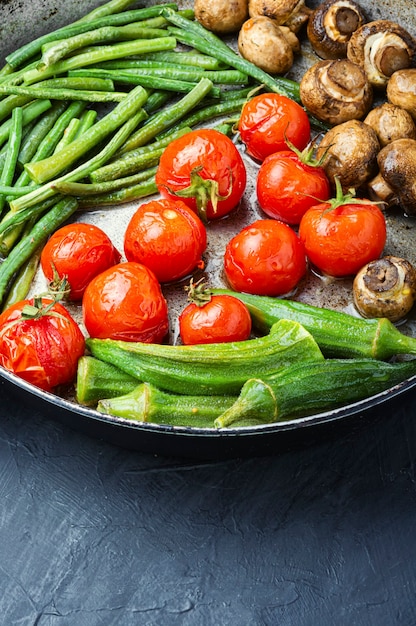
x=223 y=318
x=268 y=120
x=167 y=237
x=78 y=252
x=44 y=351
x=125 y=302
x=265 y=258
x=219 y=160
x=340 y=241
x=286 y=187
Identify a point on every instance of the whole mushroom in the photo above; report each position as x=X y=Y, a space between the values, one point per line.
x=331 y=25
x=221 y=16
x=266 y=44
x=401 y=90
x=349 y=152
x=336 y=91
x=291 y=13
x=391 y=122
x=385 y=287
x=396 y=181
x=381 y=47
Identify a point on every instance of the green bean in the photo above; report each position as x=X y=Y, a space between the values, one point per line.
x=13 y=190
x=149 y=81
x=68 y=135
x=20 y=56
x=156 y=100
x=91 y=189
x=63 y=94
x=73 y=82
x=15 y=138
x=31 y=111
x=24 y=249
x=135 y=160
x=166 y=118
x=47 y=169
x=127 y=194
x=88 y=118
x=8 y=226
x=32 y=140
x=192 y=58
x=84 y=169
x=101 y=53
x=165 y=70
x=22 y=282
x=10 y=102
x=108 y=8
x=65 y=47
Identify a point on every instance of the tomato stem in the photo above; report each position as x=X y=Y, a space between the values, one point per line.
x=198 y=292
x=204 y=190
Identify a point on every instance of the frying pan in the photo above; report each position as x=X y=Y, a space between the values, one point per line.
x=20 y=22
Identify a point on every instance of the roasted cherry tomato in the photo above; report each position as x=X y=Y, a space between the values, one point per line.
x=125 y=302
x=78 y=252
x=289 y=183
x=204 y=169
x=213 y=318
x=266 y=258
x=166 y=236
x=344 y=234
x=268 y=121
x=40 y=342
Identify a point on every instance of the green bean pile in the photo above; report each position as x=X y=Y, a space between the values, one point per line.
x=87 y=110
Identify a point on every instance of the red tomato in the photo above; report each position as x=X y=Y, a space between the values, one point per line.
x=268 y=120
x=215 y=319
x=340 y=239
x=125 y=302
x=266 y=258
x=288 y=185
x=166 y=236
x=43 y=350
x=78 y=252
x=205 y=169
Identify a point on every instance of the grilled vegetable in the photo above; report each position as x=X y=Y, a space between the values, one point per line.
x=97 y=380
x=209 y=369
x=147 y=403
x=304 y=388
x=337 y=334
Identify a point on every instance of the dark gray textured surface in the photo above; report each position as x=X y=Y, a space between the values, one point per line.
x=92 y=534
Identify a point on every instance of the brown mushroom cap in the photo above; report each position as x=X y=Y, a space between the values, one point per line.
x=336 y=91
x=264 y=43
x=397 y=163
x=350 y=152
x=381 y=47
x=385 y=287
x=401 y=90
x=221 y=16
x=331 y=25
x=279 y=10
x=391 y=122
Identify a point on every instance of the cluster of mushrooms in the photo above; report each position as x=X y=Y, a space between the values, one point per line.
x=370 y=147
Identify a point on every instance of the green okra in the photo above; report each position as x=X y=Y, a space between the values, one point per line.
x=97 y=380
x=303 y=389
x=209 y=369
x=147 y=403
x=338 y=334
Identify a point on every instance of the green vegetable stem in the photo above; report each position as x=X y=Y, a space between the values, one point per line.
x=147 y=403
x=338 y=334
x=211 y=369
x=306 y=388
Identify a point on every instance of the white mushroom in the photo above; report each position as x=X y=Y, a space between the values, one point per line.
x=266 y=44
x=291 y=13
x=221 y=16
x=331 y=25
x=391 y=122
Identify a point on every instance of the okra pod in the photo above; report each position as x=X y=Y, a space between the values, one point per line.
x=212 y=369
x=304 y=389
x=97 y=380
x=338 y=334
x=147 y=403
